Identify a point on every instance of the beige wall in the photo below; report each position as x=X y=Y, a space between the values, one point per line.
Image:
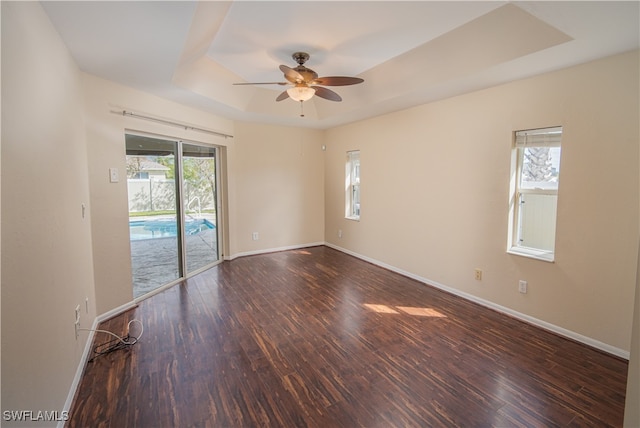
x=435 y=193
x=106 y=149
x=59 y=121
x=279 y=187
x=46 y=243
x=632 y=404
x=273 y=185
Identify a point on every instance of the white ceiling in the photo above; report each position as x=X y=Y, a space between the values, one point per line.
x=408 y=53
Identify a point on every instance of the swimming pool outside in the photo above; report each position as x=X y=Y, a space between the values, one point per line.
x=165 y=227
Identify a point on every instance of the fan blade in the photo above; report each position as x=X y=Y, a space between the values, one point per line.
x=327 y=94
x=338 y=81
x=262 y=83
x=283 y=96
x=291 y=75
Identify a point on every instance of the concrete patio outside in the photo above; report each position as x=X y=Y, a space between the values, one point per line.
x=154 y=262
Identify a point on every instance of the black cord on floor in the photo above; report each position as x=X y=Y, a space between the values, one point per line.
x=117 y=343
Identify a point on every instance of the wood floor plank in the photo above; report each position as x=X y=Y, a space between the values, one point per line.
x=317 y=338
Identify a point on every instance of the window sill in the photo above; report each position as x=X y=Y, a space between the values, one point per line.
x=354 y=218
x=532 y=253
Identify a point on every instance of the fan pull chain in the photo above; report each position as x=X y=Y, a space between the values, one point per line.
x=301 y=109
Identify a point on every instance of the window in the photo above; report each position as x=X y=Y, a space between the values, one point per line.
x=536 y=167
x=353 y=185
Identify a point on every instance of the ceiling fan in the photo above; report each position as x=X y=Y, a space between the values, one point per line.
x=306 y=82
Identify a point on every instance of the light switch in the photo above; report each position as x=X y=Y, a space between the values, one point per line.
x=113 y=175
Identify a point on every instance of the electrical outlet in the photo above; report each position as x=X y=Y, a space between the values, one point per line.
x=76 y=324
x=522 y=286
x=339 y=233
x=255 y=236
x=478 y=274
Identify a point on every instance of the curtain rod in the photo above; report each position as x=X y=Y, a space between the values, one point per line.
x=168 y=122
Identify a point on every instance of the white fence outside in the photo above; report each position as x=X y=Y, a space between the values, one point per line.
x=159 y=194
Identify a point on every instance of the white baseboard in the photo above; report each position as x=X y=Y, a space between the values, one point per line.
x=116 y=311
x=79 y=371
x=273 y=250
x=130 y=305
x=523 y=317
x=486 y=303
x=87 y=351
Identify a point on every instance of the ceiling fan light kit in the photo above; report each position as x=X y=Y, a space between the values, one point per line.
x=306 y=82
x=300 y=93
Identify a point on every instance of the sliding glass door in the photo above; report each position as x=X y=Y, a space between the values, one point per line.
x=173 y=223
x=200 y=203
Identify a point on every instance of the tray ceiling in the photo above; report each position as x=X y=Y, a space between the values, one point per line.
x=409 y=53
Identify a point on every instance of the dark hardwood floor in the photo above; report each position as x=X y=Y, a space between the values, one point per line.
x=318 y=338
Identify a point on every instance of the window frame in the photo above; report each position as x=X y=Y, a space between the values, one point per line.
x=352 y=185
x=540 y=137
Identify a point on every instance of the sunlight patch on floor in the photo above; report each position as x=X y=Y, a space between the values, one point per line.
x=383 y=309
x=420 y=312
